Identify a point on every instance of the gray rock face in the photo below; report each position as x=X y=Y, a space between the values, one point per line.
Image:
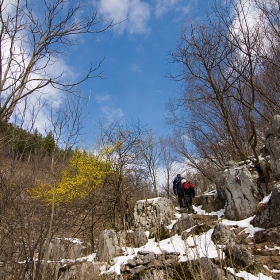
x=151 y=214
x=139 y=237
x=210 y=270
x=132 y=238
x=241 y=255
x=64 y=249
x=222 y=235
x=272 y=144
x=269 y=235
x=184 y=222
x=275 y=207
x=269 y=215
x=108 y=246
x=148 y=265
x=204 y=200
x=80 y=271
x=239 y=190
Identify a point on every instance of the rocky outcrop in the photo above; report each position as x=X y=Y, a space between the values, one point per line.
x=146 y=260
x=132 y=238
x=222 y=235
x=150 y=266
x=65 y=249
x=108 y=246
x=238 y=189
x=240 y=255
x=268 y=215
x=271 y=235
x=151 y=214
x=184 y=222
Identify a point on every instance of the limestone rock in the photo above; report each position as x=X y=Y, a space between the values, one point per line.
x=132 y=238
x=271 y=235
x=222 y=235
x=184 y=222
x=210 y=270
x=268 y=215
x=151 y=214
x=80 y=271
x=64 y=249
x=240 y=255
x=237 y=188
x=108 y=246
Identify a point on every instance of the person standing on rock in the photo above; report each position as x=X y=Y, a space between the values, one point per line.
x=178 y=190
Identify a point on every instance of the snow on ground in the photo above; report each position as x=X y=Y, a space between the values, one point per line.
x=190 y=248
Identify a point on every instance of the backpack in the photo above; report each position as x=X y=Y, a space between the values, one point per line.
x=188 y=185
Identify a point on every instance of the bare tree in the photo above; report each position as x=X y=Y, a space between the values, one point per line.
x=31 y=42
x=167 y=159
x=223 y=108
x=119 y=144
x=150 y=153
x=204 y=113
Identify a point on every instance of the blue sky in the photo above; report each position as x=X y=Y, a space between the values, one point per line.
x=135 y=86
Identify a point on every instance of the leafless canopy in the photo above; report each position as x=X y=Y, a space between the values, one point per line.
x=229 y=72
x=32 y=39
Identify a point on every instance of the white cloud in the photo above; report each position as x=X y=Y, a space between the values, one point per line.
x=111 y=114
x=108 y=111
x=135 y=68
x=163 y=6
x=102 y=98
x=133 y=15
x=248 y=27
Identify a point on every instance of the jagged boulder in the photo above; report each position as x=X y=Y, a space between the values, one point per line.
x=271 y=235
x=148 y=265
x=212 y=271
x=108 y=246
x=154 y=274
x=152 y=214
x=204 y=200
x=132 y=238
x=80 y=270
x=240 y=255
x=139 y=237
x=272 y=144
x=184 y=222
x=222 y=235
x=237 y=187
x=65 y=248
x=268 y=215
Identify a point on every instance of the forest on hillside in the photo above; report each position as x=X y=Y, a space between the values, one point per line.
x=50 y=186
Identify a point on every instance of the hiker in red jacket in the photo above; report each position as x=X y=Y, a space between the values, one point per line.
x=189 y=193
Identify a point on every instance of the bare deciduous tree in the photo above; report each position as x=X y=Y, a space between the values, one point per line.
x=150 y=153
x=224 y=106
x=119 y=143
x=31 y=42
x=167 y=158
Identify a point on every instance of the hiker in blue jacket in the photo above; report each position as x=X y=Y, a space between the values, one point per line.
x=178 y=190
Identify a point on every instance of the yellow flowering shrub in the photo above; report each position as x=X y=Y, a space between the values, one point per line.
x=83 y=174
